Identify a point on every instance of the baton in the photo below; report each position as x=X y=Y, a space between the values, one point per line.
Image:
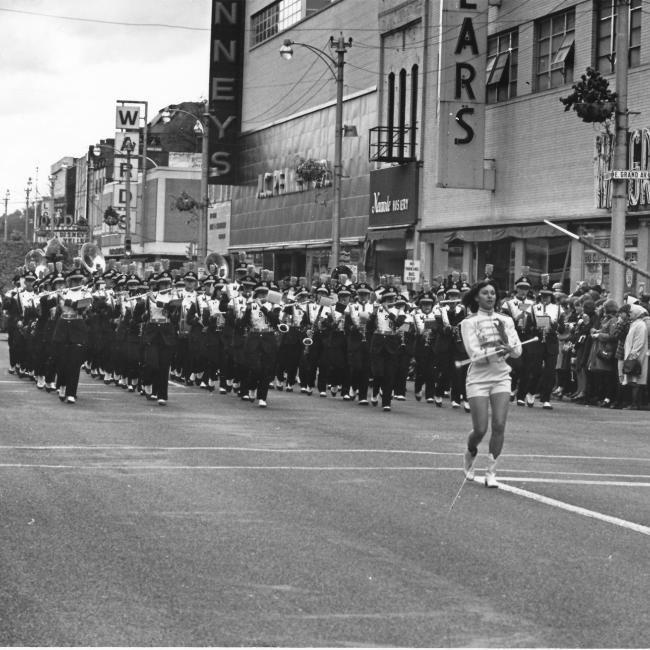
x=466 y=362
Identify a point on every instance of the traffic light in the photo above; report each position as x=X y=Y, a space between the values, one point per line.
x=127 y=246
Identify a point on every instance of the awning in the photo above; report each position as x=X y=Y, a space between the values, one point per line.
x=493 y=234
x=399 y=232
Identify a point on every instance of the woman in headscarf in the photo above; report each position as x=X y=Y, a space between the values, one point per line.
x=636 y=347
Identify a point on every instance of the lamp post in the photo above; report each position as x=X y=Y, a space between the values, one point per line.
x=340 y=46
x=127 y=146
x=7 y=197
x=200 y=129
x=28 y=190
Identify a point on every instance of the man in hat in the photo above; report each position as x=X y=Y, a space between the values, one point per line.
x=27 y=303
x=261 y=318
x=70 y=336
x=427 y=329
x=333 y=369
x=11 y=308
x=234 y=335
x=290 y=349
x=384 y=347
x=539 y=373
x=357 y=317
x=158 y=337
x=406 y=333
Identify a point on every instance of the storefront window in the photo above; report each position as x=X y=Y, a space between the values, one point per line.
x=455 y=257
x=536 y=256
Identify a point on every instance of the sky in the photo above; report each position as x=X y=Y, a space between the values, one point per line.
x=64 y=64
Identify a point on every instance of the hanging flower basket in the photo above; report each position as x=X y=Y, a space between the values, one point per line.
x=185 y=203
x=312 y=171
x=111 y=216
x=591 y=98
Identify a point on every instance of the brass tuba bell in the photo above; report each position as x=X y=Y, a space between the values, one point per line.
x=92 y=259
x=220 y=262
x=37 y=257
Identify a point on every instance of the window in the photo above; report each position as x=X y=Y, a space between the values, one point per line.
x=278 y=16
x=606 y=35
x=554 y=50
x=501 y=73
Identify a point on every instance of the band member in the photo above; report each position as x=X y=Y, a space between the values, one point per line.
x=236 y=337
x=11 y=307
x=333 y=369
x=384 y=347
x=213 y=320
x=358 y=315
x=549 y=320
x=291 y=347
x=70 y=337
x=488 y=337
x=312 y=340
x=406 y=333
x=261 y=318
x=158 y=337
x=427 y=328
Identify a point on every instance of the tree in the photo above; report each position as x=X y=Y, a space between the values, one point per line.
x=591 y=98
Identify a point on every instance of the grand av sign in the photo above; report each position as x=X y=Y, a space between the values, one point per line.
x=461 y=93
x=637 y=174
x=226 y=75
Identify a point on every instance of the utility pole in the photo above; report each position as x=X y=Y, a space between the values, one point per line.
x=7 y=196
x=28 y=190
x=128 y=146
x=619 y=185
x=341 y=46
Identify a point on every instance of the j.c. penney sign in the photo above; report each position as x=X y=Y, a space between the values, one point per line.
x=461 y=93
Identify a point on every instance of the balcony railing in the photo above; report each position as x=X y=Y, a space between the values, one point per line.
x=392 y=144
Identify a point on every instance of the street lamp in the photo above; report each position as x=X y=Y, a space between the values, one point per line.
x=340 y=46
x=52 y=179
x=28 y=190
x=200 y=129
x=7 y=197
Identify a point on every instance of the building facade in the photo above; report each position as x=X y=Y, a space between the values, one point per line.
x=453 y=190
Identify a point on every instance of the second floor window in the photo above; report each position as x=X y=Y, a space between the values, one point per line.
x=501 y=72
x=555 y=40
x=273 y=19
x=606 y=35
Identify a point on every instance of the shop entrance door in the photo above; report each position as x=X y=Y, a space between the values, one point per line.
x=498 y=253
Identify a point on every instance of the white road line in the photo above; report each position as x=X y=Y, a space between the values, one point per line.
x=408 y=452
x=568 y=481
x=645 y=530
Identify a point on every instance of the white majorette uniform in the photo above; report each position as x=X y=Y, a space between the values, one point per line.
x=488 y=374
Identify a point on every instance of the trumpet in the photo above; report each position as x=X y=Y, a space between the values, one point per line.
x=308 y=340
x=283 y=328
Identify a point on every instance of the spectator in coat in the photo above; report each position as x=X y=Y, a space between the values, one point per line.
x=636 y=347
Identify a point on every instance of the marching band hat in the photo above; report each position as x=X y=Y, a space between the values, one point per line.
x=388 y=292
x=261 y=288
x=99 y=279
x=248 y=281
x=427 y=296
x=465 y=286
x=322 y=288
x=165 y=276
x=343 y=290
x=363 y=287
x=75 y=273
x=132 y=278
x=523 y=280
x=191 y=275
x=209 y=279
x=29 y=275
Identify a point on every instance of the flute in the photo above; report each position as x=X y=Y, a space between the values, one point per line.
x=480 y=357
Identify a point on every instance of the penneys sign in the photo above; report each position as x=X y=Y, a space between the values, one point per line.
x=461 y=93
x=226 y=75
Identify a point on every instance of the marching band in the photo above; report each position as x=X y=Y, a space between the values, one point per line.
x=245 y=334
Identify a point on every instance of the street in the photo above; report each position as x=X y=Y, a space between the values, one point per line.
x=315 y=522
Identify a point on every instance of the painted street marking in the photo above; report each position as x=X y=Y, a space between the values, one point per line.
x=638 y=528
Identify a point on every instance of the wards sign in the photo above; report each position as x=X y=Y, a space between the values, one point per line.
x=226 y=73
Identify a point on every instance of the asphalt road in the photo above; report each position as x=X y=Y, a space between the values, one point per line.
x=315 y=522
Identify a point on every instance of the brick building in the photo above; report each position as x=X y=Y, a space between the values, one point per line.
x=411 y=190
